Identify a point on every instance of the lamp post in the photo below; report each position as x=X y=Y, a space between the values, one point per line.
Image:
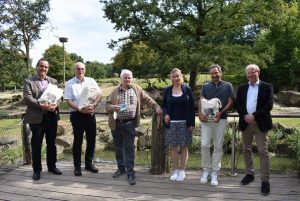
x=63 y=40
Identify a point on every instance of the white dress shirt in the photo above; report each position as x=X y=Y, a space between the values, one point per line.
x=74 y=88
x=252 y=97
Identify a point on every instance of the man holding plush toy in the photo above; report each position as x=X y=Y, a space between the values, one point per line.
x=214 y=124
x=83 y=95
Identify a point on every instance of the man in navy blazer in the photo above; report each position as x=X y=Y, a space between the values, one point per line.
x=42 y=119
x=254 y=102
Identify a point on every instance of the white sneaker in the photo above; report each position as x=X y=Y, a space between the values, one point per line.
x=214 y=179
x=174 y=175
x=181 y=175
x=204 y=178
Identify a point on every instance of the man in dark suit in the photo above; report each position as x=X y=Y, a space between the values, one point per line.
x=254 y=102
x=42 y=119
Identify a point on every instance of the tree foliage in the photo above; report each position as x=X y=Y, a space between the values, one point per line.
x=98 y=70
x=13 y=68
x=191 y=34
x=55 y=55
x=283 y=39
x=22 y=21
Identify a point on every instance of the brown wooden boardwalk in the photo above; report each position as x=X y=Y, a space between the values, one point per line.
x=18 y=185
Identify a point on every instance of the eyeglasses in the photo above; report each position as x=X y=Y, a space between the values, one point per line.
x=251 y=73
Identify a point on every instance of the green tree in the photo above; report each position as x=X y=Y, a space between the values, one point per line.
x=98 y=70
x=191 y=33
x=55 y=55
x=22 y=21
x=283 y=41
x=76 y=58
x=13 y=68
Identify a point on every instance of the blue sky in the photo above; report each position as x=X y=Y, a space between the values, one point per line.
x=82 y=22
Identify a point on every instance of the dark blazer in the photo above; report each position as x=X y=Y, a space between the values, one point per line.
x=264 y=106
x=190 y=108
x=31 y=94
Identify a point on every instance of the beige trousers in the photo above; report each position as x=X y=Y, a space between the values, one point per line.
x=252 y=131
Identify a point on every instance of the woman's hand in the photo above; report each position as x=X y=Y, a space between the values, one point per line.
x=167 y=119
x=191 y=129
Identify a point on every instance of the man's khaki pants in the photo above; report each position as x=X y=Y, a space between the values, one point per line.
x=252 y=131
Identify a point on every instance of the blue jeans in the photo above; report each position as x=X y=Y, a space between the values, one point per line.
x=123 y=137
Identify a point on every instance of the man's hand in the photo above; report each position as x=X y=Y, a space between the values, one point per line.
x=158 y=110
x=116 y=108
x=202 y=117
x=88 y=110
x=48 y=107
x=249 y=118
x=217 y=117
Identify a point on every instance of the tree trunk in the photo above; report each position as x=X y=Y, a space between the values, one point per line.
x=193 y=78
x=28 y=60
x=26 y=135
x=2 y=86
x=158 y=150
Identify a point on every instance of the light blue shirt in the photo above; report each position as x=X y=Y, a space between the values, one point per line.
x=252 y=97
x=74 y=88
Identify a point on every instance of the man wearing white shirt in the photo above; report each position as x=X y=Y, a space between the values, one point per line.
x=254 y=102
x=83 y=120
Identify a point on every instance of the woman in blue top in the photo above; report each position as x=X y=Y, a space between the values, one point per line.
x=179 y=117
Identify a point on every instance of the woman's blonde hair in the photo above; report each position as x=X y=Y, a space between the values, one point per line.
x=178 y=71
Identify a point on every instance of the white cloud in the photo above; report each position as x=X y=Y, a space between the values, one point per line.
x=83 y=24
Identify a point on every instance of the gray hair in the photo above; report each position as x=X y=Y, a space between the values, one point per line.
x=254 y=66
x=125 y=71
x=215 y=66
x=78 y=64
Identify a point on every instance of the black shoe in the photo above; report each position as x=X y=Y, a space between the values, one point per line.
x=77 y=172
x=265 y=188
x=247 y=179
x=131 y=180
x=36 y=176
x=55 y=171
x=119 y=173
x=92 y=168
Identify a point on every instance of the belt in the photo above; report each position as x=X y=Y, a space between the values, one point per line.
x=125 y=120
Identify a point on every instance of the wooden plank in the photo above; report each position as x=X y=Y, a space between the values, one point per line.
x=149 y=187
x=170 y=189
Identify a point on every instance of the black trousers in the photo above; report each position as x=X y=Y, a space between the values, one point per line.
x=48 y=126
x=83 y=123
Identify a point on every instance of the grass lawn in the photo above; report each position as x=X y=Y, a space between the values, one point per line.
x=288 y=122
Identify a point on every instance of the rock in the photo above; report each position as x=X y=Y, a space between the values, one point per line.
x=7 y=141
x=60 y=130
x=142 y=130
x=288 y=98
x=104 y=136
x=144 y=142
x=16 y=98
x=62 y=143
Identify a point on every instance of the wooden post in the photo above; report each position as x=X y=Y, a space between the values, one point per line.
x=158 y=150
x=26 y=135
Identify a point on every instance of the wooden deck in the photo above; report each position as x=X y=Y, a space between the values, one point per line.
x=17 y=185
